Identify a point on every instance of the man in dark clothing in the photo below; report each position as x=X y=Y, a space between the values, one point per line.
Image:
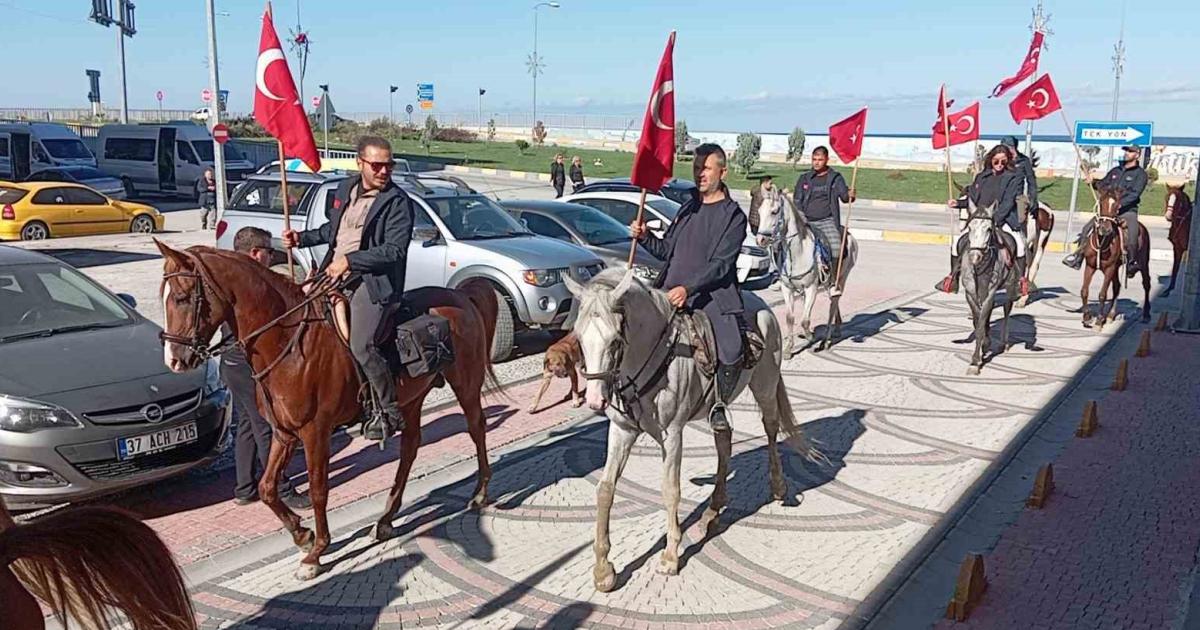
x=558 y=175
x=252 y=443
x=576 y=174
x=819 y=194
x=369 y=228
x=1027 y=199
x=701 y=249
x=998 y=185
x=1131 y=179
x=206 y=196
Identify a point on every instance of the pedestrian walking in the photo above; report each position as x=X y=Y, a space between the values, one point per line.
x=252 y=442
x=206 y=195
x=576 y=174
x=558 y=175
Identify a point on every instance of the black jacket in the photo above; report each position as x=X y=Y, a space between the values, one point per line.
x=839 y=193
x=205 y=196
x=577 y=174
x=986 y=190
x=557 y=175
x=719 y=276
x=1132 y=181
x=383 y=253
x=1024 y=167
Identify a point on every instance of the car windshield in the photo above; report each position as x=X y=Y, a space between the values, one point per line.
x=665 y=207
x=67 y=148
x=475 y=217
x=45 y=299
x=594 y=226
x=84 y=172
x=204 y=151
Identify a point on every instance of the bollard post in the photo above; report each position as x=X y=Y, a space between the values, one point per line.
x=968 y=589
x=1090 y=421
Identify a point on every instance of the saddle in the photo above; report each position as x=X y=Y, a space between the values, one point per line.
x=702 y=343
x=414 y=343
x=1006 y=247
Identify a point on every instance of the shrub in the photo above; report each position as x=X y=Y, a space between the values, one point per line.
x=795 y=147
x=748 y=147
x=456 y=134
x=1151 y=174
x=521 y=145
x=896 y=175
x=491 y=132
x=429 y=134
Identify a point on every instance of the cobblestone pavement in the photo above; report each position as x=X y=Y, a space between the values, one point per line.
x=907 y=431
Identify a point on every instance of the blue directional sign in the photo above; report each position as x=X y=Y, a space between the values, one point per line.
x=424 y=91
x=1113 y=133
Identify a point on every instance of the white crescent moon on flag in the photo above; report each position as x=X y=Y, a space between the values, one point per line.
x=970 y=124
x=265 y=59
x=656 y=100
x=1045 y=98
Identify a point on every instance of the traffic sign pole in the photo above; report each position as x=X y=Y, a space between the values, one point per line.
x=214 y=113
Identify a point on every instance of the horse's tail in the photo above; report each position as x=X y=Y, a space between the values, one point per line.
x=792 y=433
x=483 y=296
x=88 y=563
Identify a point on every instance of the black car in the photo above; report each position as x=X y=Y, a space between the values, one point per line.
x=678 y=190
x=586 y=227
x=87 y=175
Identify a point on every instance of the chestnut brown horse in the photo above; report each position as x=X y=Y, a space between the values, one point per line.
x=90 y=565
x=1179 y=215
x=307 y=381
x=1104 y=251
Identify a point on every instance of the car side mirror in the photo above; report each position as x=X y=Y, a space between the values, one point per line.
x=128 y=299
x=427 y=236
x=654 y=224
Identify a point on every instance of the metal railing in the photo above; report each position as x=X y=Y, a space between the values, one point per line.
x=75 y=115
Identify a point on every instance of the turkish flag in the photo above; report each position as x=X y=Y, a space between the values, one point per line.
x=1028 y=67
x=846 y=136
x=964 y=127
x=277 y=102
x=1035 y=101
x=654 y=162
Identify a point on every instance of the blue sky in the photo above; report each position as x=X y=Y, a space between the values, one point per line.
x=749 y=65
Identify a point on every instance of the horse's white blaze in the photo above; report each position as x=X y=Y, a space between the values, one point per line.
x=594 y=339
x=1171 y=201
x=170 y=350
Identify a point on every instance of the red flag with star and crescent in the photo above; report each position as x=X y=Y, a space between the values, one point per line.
x=277 y=102
x=846 y=136
x=1036 y=101
x=654 y=162
x=964 y=127
x=1028 y=67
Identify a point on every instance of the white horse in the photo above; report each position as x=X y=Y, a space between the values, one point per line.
x=630 y=335
x=784 y=227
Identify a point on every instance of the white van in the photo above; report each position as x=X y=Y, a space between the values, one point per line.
x=48 y=145
x=164 y=159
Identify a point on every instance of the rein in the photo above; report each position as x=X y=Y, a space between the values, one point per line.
x=619 y=384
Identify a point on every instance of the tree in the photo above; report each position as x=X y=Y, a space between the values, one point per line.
x=522 y=144
x=428 y=135
x=748 y=147
x=681 y=137
x=1090 y=163
x=795 y=147
x=539 y=133
x=491 y=132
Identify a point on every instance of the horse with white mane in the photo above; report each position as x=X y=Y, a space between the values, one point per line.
x=641 y=373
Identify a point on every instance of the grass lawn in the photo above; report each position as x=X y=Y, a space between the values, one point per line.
x=882 y=184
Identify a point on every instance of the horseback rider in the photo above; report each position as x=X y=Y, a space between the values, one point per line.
x=998 y=184
x=1027 y=199
x=370 y=225
x=1130 y=178
x=819 y=194
x=700 y=250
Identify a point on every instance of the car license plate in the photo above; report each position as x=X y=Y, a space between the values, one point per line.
x=155 y=442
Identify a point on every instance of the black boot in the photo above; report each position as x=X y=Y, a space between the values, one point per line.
x=1074 y=260
x=386 y=419
x=727 y=380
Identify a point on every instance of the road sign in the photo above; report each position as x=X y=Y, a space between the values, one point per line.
x=408 y=108
x=1113 y=133
x=206 y=95
x=220 y=133
x=426 y=104
x=316 y=101
x=159 y=95
x=222 y=99
x=424 y=91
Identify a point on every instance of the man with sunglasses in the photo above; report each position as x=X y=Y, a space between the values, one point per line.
x=1130 y=178
x=368 y=232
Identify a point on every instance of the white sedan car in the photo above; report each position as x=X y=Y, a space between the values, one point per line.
x=753 y=263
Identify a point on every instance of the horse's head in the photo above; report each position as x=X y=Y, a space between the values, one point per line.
x=600 y=327
x=979 y=231
x=193 y=311
x=772 y=220
x=1176 y=200
x=1110 y=205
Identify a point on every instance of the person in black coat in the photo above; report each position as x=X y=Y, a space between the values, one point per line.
x=998 y=184
x=1131 y=179
x=558 y=175
x=369 y=228
x=206 y=197
x=1027 y=198
x=701 y=249
x=576 y=174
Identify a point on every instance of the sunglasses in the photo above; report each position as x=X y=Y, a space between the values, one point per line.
x=1000 y=162
x=380 y=166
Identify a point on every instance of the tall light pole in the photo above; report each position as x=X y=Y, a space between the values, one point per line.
x=102 y=15
x=479 y=112
x=325 y=115
x=391 y=109
x=1040 y=19
x=214 y=113
x=535 y=63
x=1118 y=60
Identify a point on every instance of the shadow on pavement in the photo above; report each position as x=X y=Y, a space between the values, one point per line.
x=866 y=325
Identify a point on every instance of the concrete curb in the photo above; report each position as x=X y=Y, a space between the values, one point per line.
x=495 y=172
x=931 y=238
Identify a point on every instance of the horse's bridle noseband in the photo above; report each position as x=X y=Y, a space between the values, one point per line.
x=196 y=343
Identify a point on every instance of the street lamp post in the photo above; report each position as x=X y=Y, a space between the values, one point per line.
x=214 y=113
x=325 y=115
x=102 y=15
x=535 y=63
x=391 y=109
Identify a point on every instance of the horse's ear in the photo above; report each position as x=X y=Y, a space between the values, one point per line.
x=575 y=288
x=172 y=254
x=623 y=286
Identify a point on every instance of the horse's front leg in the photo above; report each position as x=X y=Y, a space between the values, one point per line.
x=833 y=329
x=720 y=496
x=1088 y=270
x=316 y=455
x=789 y=303
x=620 y=442
x=672 y=461
x=1174 y=270
x=282 y=447
x=1105 y=282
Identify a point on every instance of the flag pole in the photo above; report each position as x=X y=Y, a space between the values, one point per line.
x=837 y=278
x=634 y=243
x=287 y=219
x=949 y=174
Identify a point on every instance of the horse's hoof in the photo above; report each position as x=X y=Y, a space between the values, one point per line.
x=711 y=522
x=578 y=403
x=779 y=492
x=477 y=502
x=604 y=578
x=383 y=531
x=531 y=410
x=973 y=370
x=307 y=572
x=1145 y=318
x=668 y=566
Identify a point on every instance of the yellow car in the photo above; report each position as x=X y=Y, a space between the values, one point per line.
x=32 y=211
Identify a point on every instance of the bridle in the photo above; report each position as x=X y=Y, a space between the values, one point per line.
x=625 y=388
x=991 y=245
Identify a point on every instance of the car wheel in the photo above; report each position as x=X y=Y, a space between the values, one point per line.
x=35 y=231
x=142 y=224
x=127 y=184
x=502 y=340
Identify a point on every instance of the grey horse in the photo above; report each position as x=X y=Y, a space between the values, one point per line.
x=983 y=273
x=630 y=336
x=783 y=226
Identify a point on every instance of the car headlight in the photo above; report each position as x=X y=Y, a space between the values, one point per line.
x=21 y=415
x=543 y=277
x=212 y=377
